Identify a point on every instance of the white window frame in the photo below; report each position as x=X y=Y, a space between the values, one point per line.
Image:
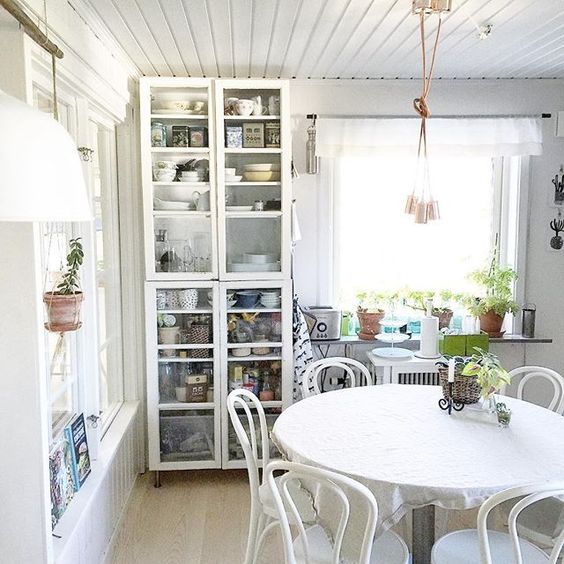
x=511 y=181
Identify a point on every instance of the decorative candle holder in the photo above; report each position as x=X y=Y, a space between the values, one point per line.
x=449 y=404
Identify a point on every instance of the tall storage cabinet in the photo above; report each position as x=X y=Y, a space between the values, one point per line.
x=217 y=211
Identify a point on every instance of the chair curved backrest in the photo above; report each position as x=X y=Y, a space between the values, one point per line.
x=341 y=487
x=355 y=372
x=529 y=373
x=244 y=400
x=531 y=493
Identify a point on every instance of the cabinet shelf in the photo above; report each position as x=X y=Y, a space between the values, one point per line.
x=187 y=213
x=250 y=118
x=253 y=151
x=186 y=346
x=166 y=359
x=271 y=344
x=253 y=214
x=177 y=405
x=252 y=184
x=193 y=311
x=188 y=184
x=175 y=117
x=183 y=150
x=254 y=358
x=253 y=310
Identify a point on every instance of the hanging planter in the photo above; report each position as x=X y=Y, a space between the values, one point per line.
x=63 y=304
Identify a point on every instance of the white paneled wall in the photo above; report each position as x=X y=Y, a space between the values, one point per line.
x=100 y=503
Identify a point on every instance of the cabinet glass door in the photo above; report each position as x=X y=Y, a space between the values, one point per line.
x=179 y=172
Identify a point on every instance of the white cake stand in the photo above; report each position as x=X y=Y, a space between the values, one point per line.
x=392 y=352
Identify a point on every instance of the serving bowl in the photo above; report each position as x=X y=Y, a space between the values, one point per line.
x=262 y=167
x=261 y=176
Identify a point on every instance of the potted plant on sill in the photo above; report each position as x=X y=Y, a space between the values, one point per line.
x=489 y=373
x=445 y=298
x=370 y=311
x=63 y=304
x=497 y=283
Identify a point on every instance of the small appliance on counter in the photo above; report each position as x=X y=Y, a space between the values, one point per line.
x=323 y=323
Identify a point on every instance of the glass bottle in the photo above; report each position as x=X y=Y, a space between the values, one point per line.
x=160 y=246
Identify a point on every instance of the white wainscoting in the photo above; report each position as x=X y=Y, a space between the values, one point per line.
x=87 y=527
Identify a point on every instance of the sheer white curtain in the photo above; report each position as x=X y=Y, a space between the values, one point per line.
x=479 y=137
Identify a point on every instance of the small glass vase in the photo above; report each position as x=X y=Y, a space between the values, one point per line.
x=489 y=404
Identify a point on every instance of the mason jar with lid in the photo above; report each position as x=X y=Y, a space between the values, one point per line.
x=158 y=134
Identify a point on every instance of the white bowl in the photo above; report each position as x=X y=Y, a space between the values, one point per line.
x=159 y=204
x=164 y=177
x=233 y=178
x=230 y=171
x=262 y=167
x=259 y=258
x=261 y=176
x=163 y=165
x=238 y=208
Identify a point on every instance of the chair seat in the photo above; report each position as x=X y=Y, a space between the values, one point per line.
x=388 y=548
x=462 y=547
x=301 y=497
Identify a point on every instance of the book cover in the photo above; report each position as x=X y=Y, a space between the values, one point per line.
x=76 y=436
x=61 y=479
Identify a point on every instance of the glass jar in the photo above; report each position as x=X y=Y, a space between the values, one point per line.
x=158 y=134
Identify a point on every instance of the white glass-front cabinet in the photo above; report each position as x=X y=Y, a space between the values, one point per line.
x=183 y=396
x=217 y=200
x=178 y=176
x=256 y=351
x=254 y=179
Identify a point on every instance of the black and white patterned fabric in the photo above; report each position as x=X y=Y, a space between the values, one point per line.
x=303 y=352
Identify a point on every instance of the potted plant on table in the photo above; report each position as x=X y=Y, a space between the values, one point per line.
x=63 y=304
x=370 y=311
x=489 y=374
x=497 y=283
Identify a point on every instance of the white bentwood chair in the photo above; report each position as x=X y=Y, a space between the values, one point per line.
x=539 y=522
x=355 y=372
x=530 y=374
x=262 y=505
x=314 y=545
x=482 y=546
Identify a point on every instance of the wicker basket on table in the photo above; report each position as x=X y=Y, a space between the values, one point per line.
x=465 y=389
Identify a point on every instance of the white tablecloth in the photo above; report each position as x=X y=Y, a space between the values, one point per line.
x=396 y=440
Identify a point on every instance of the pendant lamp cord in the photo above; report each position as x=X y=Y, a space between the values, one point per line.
x=53 y=65
x=420 y=103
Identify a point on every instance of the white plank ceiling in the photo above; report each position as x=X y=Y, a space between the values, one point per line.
x=334 y=38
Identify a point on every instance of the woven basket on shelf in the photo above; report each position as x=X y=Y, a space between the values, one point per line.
x=464 y=390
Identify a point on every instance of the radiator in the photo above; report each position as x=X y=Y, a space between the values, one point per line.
x=422 y=378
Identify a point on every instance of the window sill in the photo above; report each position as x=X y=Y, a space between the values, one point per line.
x=71 y=522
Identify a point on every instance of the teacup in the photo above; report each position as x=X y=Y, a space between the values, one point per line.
x=171 y=165
x=244 y=107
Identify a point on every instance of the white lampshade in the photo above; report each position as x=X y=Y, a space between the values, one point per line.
x=41 y=176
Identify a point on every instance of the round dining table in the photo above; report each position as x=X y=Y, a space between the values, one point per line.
x=414 y=456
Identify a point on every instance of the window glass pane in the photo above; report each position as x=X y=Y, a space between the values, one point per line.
x=380 y=248
x=103 y=187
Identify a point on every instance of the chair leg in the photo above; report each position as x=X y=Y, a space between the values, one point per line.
x=254 y=522
x=267 y=524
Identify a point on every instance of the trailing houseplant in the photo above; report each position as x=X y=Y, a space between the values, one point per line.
x=497 y=284
x=64 y=302
x=489 y=373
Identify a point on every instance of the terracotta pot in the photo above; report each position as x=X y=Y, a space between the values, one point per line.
x=444 y=318
x=369 y=324
x=491 y=323
x=63 y=311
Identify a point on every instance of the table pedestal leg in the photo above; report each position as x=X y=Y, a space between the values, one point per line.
x=423 y=534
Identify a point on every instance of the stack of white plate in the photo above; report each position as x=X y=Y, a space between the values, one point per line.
x=270 y=299
x=256 y=262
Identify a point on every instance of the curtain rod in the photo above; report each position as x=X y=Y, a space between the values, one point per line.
x=30 y=28
x=357 y=116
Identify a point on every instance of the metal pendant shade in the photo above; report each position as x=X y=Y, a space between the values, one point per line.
x=431 y=6
x=41 y=174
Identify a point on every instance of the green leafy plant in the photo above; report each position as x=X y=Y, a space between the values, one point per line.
x=443 y=300
x=491 y=376
x=497 y=283
x=70 y=282
x=369 y=302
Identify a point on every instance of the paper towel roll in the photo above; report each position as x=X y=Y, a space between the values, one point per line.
x=429 y=337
